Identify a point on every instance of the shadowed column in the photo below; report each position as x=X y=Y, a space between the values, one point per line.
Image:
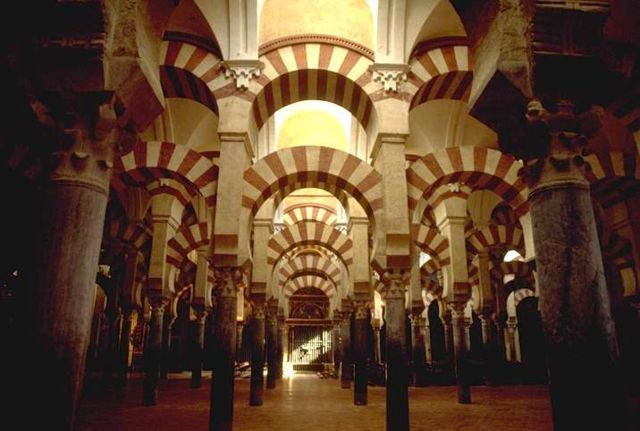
x=359 y=354
x=257 y=323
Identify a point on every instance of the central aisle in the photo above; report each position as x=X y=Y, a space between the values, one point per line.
x=307 y=402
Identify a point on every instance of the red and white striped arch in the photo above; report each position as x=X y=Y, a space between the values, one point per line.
x=431 y=242
x=477 y=167
x=326 y=168
x=310 y=233
x=317 y=212
x=486 y=237
x=153 y=160
x=131 y=233
x=627 y=110
x=203 y=64
x=309 y=280
x=515 y=298
x=186 y=239
x=440 y=69
x=612 y=164
x=310 y=263
x=305 y=71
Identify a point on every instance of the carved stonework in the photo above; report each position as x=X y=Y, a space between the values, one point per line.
x=86 y=156
x=361 y=309
x=242 y=71
x=395 y=284
x=227 y=281
x=390 y=75
x=557 y=141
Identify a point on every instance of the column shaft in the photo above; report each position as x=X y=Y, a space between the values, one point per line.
x=396 y=348
x=153 y=355
x=257 y=323
x=359 y=354
x=198 y=349
x=271 y=339
x=460 y=353
x=346 y=366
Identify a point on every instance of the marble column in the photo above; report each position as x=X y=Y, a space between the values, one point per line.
x=226 y=284
x=460 y=352
x=280 y=345
x=153 y=351
x=395 y=286
x=377 y=340
x=125 y=347
x=271 y=338
x=167 y=329
x=257 y=322
x=488 y=348
x=335 y=343
x=198 y=346
x=346 y=367
x=418 y=354
x=359 y=353
x=574 y=301
x=73 y=213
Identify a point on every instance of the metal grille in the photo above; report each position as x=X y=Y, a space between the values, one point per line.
x=309 y=345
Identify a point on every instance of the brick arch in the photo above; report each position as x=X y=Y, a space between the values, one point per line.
x=440 y=69
x=477 y=167
x=311 y=211
x=515 y=298
x=309 y=280
x=132 y=233
x=427 y=270
x=310 y=233
x=296 y=168
x=183 y=84
x=627 y=110
x=314 y=263
x=612 y=164
x=305 y=71
x=203 y=64
x=515 y=267
x=484 y=238
x=431 y=242
x=616 y=249
x=152 y=160
x=186 y=239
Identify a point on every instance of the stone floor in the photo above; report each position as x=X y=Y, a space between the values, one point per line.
x=307 y=402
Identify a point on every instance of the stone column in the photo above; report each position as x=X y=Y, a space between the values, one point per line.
x=427 y=343
x=377 y=349
x=574 y=301
x=395 y=286
x=346 y=367
x=359 y=354
x=335 y=343
x=239 y=330
x=125 y=347
x=271 y=339
x=257 y=322
x=488 y=350
x=460 y=352
x=226 y=284
x=280 y=344
x=418 y=354
x=511 y=349
x=73 y=212
x=167 y=328
x=153 y=351
x=198 y=346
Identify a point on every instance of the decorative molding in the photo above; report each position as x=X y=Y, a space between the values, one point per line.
x=314 y=38
x=242 y=71
x=390 y=75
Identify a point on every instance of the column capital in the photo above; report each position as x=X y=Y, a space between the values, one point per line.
x=242 y=71
x=390 y=75
x=227 y=281
x=557 y=140
x=361 y=308
x=88 y=137
x=456 y=309
x=395 y=282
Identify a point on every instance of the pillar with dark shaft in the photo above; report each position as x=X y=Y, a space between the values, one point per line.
x=167 y=328
x=198 y=345
x=128 y=291
x=124 y=349
x=395 y=286
x=227 y=281
x=153 y=351
x=257 y=322
x=460 y=352
x=280 y=345
x=488 y=346
x=574 y=302
x=346 y=367
x=359 y=353
x=335 y=342
x=418 y=354
x=75 y=199
x=271 y=338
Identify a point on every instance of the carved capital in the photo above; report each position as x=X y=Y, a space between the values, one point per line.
x=242 y=71
x=556 y=144
x=361 y=309
x=89 y=136
x=395 y=283
x=227 y=281
x=390 y=75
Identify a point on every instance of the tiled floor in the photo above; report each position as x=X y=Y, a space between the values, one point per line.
x=307 y=402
